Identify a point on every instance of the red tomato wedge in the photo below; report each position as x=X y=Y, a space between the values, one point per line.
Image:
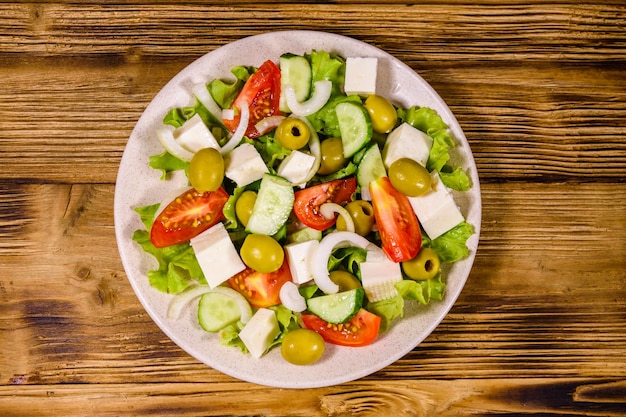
x=262 y=94
x=308 y=201
x=190 y=214
x=396 y=221
x=261 y=289
x=361 y=330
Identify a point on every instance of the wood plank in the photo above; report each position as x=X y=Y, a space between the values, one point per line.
x=529 y=31
x=485 y=397
x=520 y=314
x=64 y=131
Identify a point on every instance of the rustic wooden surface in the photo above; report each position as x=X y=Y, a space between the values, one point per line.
x=540 y=91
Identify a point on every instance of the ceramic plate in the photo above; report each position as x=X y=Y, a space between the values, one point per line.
x=139 y=185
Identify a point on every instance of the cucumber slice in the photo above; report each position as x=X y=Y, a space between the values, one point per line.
x=337 y=308
x=355 y=126
x=216 y=311
x=272 y=207
x=370 y=168
x=295 y=70
x=303 y=235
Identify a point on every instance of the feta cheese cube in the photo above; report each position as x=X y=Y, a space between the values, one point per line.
x=296 y=167
x=360 y=76
x=299 y=256
x=379 y=275
x=405 y=141
x=194 y=135
x=216 y=254
x=244 y=165
x=260 y=332
x=436 y=210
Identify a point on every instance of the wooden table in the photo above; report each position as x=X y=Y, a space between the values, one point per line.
x=540 y=91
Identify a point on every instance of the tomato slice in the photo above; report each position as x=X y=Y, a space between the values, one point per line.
x=261 y=289
x=308 y=201
x=361 y=330
x=190 y=214
x=396 y=221
x=262 y=94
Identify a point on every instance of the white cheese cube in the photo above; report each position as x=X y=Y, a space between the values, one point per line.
x=436 y=210
x=405 y=141
x=195 y=135
x=379 y=275
x=260 y=332
x=216 y=254
x=244 y=165
x=360 y=76
x=299 y=256
x=296 y=167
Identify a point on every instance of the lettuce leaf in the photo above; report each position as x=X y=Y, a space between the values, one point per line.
x=177 y=264
x=325 y=119
x=325 y=66
x=224 y=93
x=387 y=310
x=422 y=291
x=177 y=117
x=456 y=179
x=166 y=163
x=428 y=121
x=347 y=258
x=451 y=246
x=271 y=151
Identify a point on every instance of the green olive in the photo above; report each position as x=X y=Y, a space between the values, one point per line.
x=382 y=113
x=424 y=266
x=292 y=133
x=244 y=206
x=362 y=215
x=302 y=347
x=345 y=280
x=409 y=177
x=332 y=156
x=206 y=170
x=262 y=253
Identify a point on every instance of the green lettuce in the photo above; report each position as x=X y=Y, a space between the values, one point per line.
x=325 y=66
x=387 y=310
x=456 y=179
x=428 y=121
x=451 y=246
x=177 y=117
x=422 y=291
x=271 y=151
x=177 y=264
x=166 y=163
x=347 y=258
x=224 y=93
x=325 y=119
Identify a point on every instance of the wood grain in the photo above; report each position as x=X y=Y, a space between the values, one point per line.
x=569 y=130
x=539 y=90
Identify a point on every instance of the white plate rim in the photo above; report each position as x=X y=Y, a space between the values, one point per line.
x=138 y=185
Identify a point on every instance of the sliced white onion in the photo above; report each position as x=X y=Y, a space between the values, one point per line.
x=329 y=210
x=165 y=134
x=202 y=94
x=291 y=298
x=314 y=147
x=244 y=306
x=183 y=298
x=325 y=248
x=268 y=123
x=239 y=132
x=228 y=114
x=321 y=94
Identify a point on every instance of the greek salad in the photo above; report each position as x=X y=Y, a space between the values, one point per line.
x=314 y=207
